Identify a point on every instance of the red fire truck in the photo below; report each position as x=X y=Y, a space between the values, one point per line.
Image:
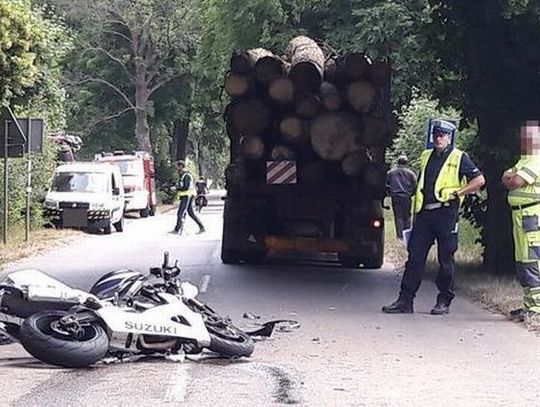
x=137 y=170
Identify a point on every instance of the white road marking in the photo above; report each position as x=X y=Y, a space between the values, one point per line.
x=204 y=283
x=177 y=385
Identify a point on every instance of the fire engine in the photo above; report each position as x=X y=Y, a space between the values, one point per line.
x=137 y=170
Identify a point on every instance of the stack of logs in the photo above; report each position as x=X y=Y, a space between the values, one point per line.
x=319 y=112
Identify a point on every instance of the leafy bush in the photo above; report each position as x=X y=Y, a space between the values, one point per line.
x=411 y=136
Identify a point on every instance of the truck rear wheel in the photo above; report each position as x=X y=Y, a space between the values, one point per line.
x=144 y=212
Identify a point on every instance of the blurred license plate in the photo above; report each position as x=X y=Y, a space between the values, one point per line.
x=74 y=218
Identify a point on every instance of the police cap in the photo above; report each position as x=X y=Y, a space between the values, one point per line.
x=442 y=126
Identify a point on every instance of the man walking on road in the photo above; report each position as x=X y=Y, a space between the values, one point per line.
x=523 y=182
x=401 y=184
x=186 y=193
x=446 y=175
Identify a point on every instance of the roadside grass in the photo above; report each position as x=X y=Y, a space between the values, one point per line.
x=498 y=293
x=40 y=240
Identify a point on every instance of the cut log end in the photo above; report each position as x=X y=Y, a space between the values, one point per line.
x=237 y=85
x=361 y=96
x=252 y=147
x=281 y=90
x=282 y=153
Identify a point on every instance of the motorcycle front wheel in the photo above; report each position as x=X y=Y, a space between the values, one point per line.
x=40 y=338
x=225 y=339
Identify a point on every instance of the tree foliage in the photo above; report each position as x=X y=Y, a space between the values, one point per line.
x=34 y=42
x=412 y=133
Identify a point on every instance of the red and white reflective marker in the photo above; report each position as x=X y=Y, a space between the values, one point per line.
x=281 y=172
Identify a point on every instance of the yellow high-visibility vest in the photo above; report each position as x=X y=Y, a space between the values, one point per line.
x=528 y=168
x=190 y=191
x=447 y=182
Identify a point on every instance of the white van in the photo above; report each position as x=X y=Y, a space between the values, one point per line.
x=86 y=195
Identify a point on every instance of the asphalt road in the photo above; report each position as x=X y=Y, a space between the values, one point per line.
x=345 y=352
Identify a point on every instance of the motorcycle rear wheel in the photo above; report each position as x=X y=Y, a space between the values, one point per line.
x=44 y=343
x=225 y=338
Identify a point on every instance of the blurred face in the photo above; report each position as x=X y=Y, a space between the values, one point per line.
x=530 y=138
x=179 y=167
x=441 y=140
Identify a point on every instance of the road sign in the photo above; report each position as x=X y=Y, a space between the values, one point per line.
x=17 y=142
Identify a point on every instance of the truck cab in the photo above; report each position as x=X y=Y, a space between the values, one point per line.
x=86 y=195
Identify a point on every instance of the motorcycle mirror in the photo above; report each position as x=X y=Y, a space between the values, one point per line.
x=165 y=259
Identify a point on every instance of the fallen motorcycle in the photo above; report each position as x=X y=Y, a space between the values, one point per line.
x=125 y=313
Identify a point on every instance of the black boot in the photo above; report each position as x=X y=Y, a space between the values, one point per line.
x=517 y=314
x=398 y=307
x=440 y=308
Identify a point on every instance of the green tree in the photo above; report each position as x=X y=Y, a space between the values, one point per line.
x=413 y=119
x=33 y=44
x=129 y=50
x=491 y=52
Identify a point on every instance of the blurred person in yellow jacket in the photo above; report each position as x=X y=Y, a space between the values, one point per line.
x=523 y=183
x=186 y=193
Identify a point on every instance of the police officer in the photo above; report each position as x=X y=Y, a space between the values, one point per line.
x=401 y=184
x=446 y=175
x=523 y=182
x=186 y=193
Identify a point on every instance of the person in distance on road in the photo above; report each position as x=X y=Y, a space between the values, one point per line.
x=523 y=183
x=446 y=175
x=186 y=193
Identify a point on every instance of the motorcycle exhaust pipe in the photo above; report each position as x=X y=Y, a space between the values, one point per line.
x=157 y=345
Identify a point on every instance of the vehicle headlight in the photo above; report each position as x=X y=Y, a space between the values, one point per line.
x=49 y=203
x=97 y=205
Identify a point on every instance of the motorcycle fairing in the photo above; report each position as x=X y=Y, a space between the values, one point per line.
x=173 y=319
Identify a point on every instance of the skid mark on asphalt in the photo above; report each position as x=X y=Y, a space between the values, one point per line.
x=285 y=383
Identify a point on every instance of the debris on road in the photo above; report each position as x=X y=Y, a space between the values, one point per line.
x=281 y=325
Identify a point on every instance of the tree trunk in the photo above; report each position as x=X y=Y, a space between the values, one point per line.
x=361 y=96
x=142 y=130
x=307 y=63
x=334 y=135
x=180 y=137
x=237 y=85
x=330 y=97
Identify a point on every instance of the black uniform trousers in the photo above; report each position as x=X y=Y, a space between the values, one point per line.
x=186 y=204
x=401 y=206
x=429 y=226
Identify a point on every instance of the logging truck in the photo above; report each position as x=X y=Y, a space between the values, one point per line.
x=307 y=171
